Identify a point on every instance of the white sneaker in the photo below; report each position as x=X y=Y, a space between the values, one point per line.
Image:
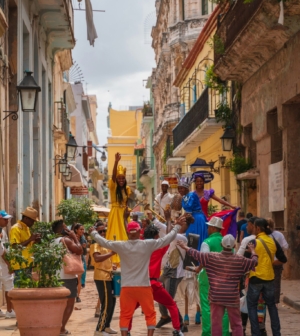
x=11 y=314
x=110 y=331
x=1 y=313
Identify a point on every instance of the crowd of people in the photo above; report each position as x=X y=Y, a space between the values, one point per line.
x=156 y=260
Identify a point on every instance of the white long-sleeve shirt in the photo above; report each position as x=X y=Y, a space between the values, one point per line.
x=135 y=256
x=162 y=230
x=161 y=202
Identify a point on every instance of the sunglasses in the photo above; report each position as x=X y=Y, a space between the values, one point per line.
x=101 y=231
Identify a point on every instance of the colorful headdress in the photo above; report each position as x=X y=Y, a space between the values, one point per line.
x=205 y=175
x=184 y=181
x=121 y=170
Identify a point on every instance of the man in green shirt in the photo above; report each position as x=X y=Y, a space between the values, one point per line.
x=210 y=244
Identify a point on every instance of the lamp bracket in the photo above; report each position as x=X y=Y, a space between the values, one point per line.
x=14 y=115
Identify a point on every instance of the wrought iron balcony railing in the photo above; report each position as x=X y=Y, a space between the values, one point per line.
x=192 y=120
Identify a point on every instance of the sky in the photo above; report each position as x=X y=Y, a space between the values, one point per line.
x=114 y=69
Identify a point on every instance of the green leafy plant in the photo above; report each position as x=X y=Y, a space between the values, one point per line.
x=214 y=82
x=217 y=44
x=212 y=209
x=223 y=113
x=77 y=210
x=238 y=164
x=47 y=259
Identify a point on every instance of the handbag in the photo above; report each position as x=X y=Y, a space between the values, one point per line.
x=279 y=251
x=243 y=303
x=72 y=263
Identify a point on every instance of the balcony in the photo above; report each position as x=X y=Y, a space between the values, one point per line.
x=61 y=133
x=57 y=19
x=195 y=127
x=170 y=116
x=250 y=36
x=146 y=165
x=147 y=113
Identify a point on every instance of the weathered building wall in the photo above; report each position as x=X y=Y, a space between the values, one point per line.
x=276 y=87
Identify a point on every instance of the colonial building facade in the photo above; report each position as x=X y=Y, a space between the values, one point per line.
x=177 y=27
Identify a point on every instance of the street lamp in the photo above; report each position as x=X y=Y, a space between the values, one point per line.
x=103 y=156
x=69 y=177
x=28 y=90
x=222 y=160
x=227 y=139
x=71 y=147
x=67 y=171
x=62 y=164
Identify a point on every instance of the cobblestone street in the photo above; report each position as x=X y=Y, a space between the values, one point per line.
x=83 y=323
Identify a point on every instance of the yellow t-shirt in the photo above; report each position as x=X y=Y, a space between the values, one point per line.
x=102 y=270
x=19 y=233
x=113 y=197
x=264 y=269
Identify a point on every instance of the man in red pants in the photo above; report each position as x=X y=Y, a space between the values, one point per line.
x=160 y=295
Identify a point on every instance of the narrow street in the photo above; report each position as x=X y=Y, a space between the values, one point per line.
x=83 y=322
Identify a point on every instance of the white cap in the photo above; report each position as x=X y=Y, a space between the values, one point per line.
x=165 y=182
x=216 y=222
x=228 y=241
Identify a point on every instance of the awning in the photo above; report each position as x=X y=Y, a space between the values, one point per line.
x=101 y=210
x=200 y=163
x=76 y=180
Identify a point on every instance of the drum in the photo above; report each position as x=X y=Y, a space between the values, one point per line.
x=193 y=240
x=116 y=282
x=176 y=202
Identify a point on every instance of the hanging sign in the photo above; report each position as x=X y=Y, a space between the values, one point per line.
x=79 y=191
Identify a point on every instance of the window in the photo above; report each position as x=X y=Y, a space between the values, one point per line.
x=204 y=7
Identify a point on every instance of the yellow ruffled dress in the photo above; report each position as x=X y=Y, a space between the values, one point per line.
x=116 y=228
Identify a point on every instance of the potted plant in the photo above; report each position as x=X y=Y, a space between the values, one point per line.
x=40 y=300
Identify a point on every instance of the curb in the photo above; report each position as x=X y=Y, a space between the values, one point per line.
x=291 y=303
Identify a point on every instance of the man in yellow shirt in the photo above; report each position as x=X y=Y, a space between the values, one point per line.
x=103 y=267
x=20 y=235
x=262 y=279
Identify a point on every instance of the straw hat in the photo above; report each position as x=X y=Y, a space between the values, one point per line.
x=216 y=222
x=30 y=213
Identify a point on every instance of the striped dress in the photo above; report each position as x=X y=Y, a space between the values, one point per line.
x=224 y=271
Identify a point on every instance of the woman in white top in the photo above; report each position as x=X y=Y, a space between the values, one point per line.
x=71 y=242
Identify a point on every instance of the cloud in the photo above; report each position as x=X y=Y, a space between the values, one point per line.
x=116 y=67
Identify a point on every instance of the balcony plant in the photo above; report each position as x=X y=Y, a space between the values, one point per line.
x=223 y=113
x=42 y=294
x=214 y=82
x=238 y=164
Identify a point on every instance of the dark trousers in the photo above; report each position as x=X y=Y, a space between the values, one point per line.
x=170 y=285
x=108 y=302
x=268 y=292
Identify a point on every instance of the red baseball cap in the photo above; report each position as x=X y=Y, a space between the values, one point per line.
x=133 y=226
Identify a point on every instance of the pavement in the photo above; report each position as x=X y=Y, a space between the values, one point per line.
x=83 y=322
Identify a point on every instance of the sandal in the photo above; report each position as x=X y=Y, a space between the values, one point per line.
x=67 y=332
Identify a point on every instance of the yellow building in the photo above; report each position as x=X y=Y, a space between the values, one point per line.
x=124 y=128
x=197 y=135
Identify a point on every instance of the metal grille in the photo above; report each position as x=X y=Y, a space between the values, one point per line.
x=197 y=114
x=235 y=20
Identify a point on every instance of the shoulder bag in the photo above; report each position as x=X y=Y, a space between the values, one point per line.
x=279 y=252
x=72 y=262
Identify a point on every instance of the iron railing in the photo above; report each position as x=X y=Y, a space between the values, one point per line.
x=192 y=120
x=65 y=123
x=145 y=166
x=235 y=20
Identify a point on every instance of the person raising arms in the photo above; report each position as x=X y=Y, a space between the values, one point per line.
x=119 y=192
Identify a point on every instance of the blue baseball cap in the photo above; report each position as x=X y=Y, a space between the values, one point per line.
x=4 y=214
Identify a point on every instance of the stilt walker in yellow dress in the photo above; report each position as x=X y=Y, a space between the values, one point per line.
x=119 y=192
